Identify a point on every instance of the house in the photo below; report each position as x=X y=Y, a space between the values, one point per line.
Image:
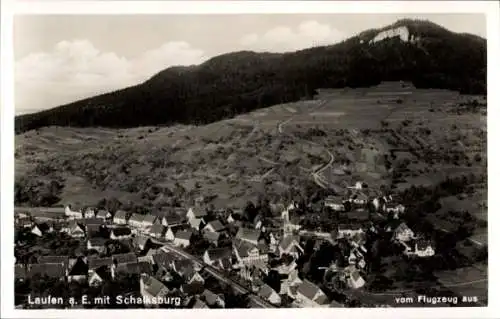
x=73 y=212
x=377 y=203
x=354 y=279
x=183 y=238
x=196 y=213
x=403 y=233
x=89 y=221
x=359 y=185
x=148 y=221
x=100 y=275
x=96 y=243
x=218 y=257
x=235 y=215
x=93 y=230
x=157 y=231
x=214 y=226
x=120 y=218
x=103 y=214
x=151 y=287
x=249 y=235
x=212 y=237
x=273 y=240
x=126 y=258
x=195 y=223
x=169 y=234
x=78 y=269
x=23 y=212
x=186 y=269
x=120 y=233
x=289 y=245
x=258 y=222
x=249 y=254
x=213 y=299
x=40 y=229
x=310 y=295
x=90 y=212
x=164 y=260
x=335 y=203
x=171 y=220
x=395 y=209
x=57 y=271
x=269 y=294
x=358 y=198
x=420 y=248
x=136 y=220
x=75 y=229
x=253 y=274
x=97 y=262
x=24 y=222
x=135 y=268
x=349 y=230
x=141 y=242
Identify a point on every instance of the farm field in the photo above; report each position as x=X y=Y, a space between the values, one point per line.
x=365 y=133
x=466 y=282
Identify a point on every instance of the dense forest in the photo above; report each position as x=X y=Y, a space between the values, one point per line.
x=235 y=83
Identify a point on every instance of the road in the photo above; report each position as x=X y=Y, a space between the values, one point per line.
x=215 y=273
x=316 y=174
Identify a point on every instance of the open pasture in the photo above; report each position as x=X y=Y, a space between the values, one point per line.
x=466 y=282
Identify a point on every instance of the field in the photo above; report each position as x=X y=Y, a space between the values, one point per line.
x=342 y=136
x=466 y=282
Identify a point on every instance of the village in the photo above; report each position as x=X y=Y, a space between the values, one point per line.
x=258 y=254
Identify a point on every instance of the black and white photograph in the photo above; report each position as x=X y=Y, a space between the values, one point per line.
x=231 y=161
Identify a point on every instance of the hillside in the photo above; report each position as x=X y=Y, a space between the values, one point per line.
x=384 y=135
x=236 y=83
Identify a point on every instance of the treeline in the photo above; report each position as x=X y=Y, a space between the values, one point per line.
x=240 y=82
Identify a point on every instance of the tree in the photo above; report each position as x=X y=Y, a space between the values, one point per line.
x=273 y=279
x=233 y=300
x=250 y=212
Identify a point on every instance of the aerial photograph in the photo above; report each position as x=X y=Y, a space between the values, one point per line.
x=250 y=161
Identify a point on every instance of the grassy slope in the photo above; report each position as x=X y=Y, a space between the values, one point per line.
x=146 y=165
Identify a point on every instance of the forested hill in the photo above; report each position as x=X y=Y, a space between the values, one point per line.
x=224 y=86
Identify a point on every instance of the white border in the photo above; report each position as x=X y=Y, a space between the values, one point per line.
x=490 y=8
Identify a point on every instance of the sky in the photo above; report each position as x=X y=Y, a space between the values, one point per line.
x=63 y=58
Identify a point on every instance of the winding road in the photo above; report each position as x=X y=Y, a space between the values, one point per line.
x=316 y=174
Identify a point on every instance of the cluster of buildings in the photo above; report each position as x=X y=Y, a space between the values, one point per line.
x=249 y=250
